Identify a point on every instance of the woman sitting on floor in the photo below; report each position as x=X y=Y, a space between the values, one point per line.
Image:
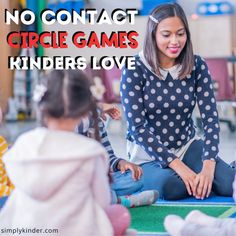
x=159 y=98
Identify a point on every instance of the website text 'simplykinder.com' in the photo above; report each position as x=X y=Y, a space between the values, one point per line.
x=27 y=231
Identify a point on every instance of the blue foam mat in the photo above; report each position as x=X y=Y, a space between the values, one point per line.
x=153 y=234
x=212 y=200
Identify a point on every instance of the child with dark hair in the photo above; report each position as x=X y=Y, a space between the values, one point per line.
x=159 y=97
x=60 y=177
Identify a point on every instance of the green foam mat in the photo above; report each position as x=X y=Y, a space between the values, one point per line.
x=150 y=219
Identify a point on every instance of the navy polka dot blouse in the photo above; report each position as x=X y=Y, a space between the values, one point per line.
x=159 y=112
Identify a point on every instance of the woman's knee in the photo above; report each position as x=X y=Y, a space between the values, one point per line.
x=223 y=187
x=165 y=181
x=223 y=181
x=226 y=190
x=174 y=189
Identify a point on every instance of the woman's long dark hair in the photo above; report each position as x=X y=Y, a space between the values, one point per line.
x=186 y=57
x=68 y=95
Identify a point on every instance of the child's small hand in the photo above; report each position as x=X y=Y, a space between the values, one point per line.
x=135 y=169
x=111 y=110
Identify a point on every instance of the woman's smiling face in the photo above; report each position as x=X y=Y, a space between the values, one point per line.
x=171 y=38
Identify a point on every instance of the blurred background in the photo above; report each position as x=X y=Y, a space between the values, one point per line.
x=213 y=29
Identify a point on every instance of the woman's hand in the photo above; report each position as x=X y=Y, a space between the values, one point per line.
x=136 y=170
x=186 y=174
x=203 y=180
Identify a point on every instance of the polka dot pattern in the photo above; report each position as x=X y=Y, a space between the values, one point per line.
x=159 y=112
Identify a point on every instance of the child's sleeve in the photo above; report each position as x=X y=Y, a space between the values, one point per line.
x=113 y=159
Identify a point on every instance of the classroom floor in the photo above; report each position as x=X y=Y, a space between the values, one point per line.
x=116 y=131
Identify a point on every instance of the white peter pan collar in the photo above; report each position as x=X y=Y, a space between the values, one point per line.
x=173 y=71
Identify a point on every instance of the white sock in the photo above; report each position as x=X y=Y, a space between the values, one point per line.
x=144 y=198
x=200 y=218
x=174 y=225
